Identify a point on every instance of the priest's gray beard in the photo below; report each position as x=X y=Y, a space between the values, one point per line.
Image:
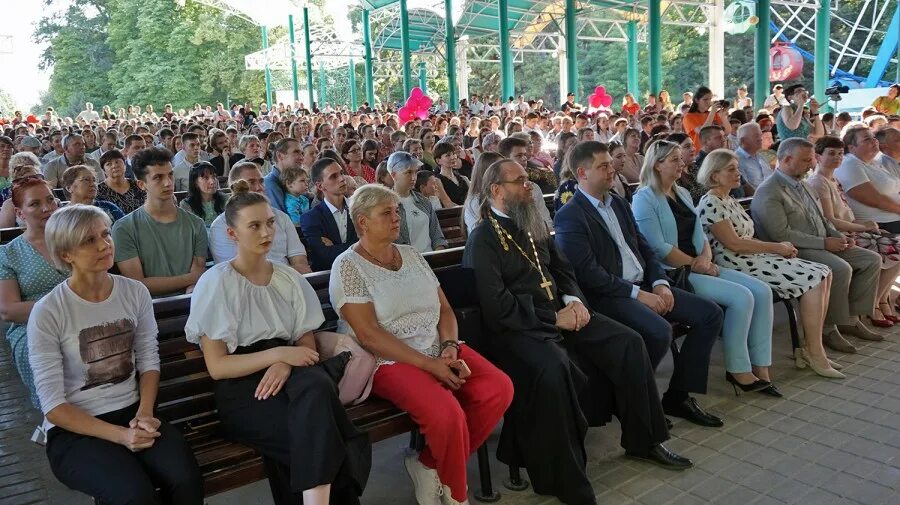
x=524 y=214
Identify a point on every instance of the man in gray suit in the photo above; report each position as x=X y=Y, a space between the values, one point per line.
x=784 y=208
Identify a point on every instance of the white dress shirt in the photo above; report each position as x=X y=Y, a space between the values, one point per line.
x=340 y=217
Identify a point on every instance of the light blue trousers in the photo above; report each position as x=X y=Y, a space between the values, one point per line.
x=747 y=330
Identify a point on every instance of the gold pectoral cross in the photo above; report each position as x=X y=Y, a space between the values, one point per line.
x=546 y=285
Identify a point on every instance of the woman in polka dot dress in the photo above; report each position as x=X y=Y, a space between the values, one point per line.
x=26 y=273
x=730 y=233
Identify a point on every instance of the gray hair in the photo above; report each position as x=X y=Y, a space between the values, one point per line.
x=657 y=152
x=789 y=146
x=68 y=228
x=714 y=163
x=69 y=139
x=24 y=158
x=743 y=131
x=366 y=198
x=245 y=140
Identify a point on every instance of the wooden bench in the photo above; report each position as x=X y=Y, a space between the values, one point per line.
x=186 y=397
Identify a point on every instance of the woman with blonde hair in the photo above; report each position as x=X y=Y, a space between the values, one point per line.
x=93 y=351
x=730 y=233
x=666 y=217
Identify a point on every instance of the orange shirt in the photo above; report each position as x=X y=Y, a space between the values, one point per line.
x=693 y=120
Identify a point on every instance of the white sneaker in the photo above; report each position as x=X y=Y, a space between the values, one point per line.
x=425 y=481
x=447 y=498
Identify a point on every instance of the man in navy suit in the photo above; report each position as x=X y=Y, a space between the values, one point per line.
x=622 y=279
x=327 y=227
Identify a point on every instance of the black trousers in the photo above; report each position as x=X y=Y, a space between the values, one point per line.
x=304 y=428
x=118 y=476
x=893 y=226
x=620 y=374
x=702 y=315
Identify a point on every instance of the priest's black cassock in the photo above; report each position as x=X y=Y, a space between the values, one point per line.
x=557 y=396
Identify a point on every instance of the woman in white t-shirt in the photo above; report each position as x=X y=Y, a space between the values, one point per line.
x=86 y=339
x=391 y=301
x=254 y=320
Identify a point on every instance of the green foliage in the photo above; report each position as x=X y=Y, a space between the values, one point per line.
x=122 y=52
x=7 y=104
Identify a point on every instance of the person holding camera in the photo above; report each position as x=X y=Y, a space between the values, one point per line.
x=705 y=112
x=799 y=119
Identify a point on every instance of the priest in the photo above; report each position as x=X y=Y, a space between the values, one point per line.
x=570 y=366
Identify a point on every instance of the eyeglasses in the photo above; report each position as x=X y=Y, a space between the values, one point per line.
x=354 y=150
x=521 y=181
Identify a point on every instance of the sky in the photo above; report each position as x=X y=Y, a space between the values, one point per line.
x=23 y=80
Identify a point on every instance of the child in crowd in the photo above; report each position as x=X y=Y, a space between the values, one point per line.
x=297 y=200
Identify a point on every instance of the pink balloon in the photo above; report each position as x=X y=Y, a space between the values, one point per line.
x=600 y=90
x=405 y=114
x=416 y=93
x=595 y=100
x=606 y=100
x=425 y=102
x=414 y=102
x=422 y=114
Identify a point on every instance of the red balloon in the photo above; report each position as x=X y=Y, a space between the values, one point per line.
x=600 y=90
x=594 y=100
x=416 y=93
x=425 y=102
x=605 y=100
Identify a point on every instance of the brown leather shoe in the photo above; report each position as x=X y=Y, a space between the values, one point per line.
x=835 y=341
x=860 y=331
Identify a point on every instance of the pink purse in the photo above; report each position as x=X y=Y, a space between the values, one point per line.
x=356 y=384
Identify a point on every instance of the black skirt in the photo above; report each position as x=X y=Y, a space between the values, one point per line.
x=304 y=428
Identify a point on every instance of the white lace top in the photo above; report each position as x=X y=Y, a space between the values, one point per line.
x=406 y=301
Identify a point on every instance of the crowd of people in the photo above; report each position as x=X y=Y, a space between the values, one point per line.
x=578 y=305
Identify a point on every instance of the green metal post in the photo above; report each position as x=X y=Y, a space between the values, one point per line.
x=423 y=78
x=367 y=44
x=451 y=56
x=571 y=51
x=404 y=48
x=265 y=43
x=294 y=83
x=507 y=76
x=761 y=63
x=823 y=49
x=352 y=68
x=632 y=59
x=309 y=69
x=322 y=88
x=654 y=14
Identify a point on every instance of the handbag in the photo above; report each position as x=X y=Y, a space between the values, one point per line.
x=356 y=383
x=679 y=277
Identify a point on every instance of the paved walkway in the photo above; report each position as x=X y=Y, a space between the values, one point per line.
x=827 y=442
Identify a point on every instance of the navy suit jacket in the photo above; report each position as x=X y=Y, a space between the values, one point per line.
x=317 y=223
x=584 y=238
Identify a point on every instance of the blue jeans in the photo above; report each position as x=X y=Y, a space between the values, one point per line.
x=747 y=330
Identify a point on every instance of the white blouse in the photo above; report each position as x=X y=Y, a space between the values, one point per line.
x=226 y=306
x=406 y=302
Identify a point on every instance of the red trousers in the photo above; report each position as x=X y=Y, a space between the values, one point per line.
x=454 y=423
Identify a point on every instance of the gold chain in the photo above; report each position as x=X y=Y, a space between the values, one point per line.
x=504 y=235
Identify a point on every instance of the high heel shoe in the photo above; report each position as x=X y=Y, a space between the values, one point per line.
x=757 y=385
x=771 y=390
x=890 y=317
x=881 y=323
x=828 y=372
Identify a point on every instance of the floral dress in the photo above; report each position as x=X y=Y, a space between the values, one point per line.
x=21 y=262
x=788 y=277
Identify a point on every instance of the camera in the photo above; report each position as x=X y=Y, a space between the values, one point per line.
x=724 y=104
x=835 y=91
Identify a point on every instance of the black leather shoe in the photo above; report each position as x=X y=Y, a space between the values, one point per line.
x=691 y=410
x=662 y=457
x=771 y=391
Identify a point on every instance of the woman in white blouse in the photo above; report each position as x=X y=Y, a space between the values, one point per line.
x=86 y=340
x=254 y=320
x=390 y=300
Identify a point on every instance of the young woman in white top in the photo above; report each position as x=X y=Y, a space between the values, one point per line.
x=391 y=301
x=86 y=339
x=254 y=320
